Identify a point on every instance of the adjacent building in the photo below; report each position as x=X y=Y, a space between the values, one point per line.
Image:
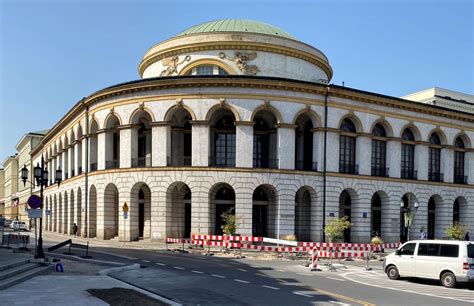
x=240 y=116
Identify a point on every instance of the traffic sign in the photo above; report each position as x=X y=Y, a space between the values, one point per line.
x=125 y=207
x=34 y=201
x=34 y=213
x=125 y=215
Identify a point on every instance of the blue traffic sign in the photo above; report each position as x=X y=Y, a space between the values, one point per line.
x=125 y=214
x=34 y=201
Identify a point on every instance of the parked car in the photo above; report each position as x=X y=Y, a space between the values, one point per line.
x=18 y=226
x=449 y=261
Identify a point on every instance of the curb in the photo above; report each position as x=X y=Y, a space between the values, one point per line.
x=77 y=258
x=149 y=293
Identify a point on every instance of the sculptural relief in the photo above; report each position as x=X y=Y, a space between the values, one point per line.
x=172 y=63
x=241 y=59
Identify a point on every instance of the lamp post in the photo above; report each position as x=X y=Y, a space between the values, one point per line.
x=407 y=212
x=41 y=176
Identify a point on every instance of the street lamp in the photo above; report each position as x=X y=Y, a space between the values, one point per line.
x=408 y=217
x=41 y=177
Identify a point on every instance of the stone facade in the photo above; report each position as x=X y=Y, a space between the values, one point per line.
x=180 y=151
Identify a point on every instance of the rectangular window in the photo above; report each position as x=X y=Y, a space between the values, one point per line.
x=435 y=164
x=449 y=250
x=378 y=158
x=347 y=154
x=458 y=166
x=408 y=161
x=428 y=249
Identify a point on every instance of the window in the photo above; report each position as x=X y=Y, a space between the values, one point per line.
x=347 y=148
x=435 y=159
x=470 y=250
x=408 y=155
x=379 y=153
x=459 y=162
x=428 y=249
x=407 y=249
x=449 y=250
x=456 y=211
x=264 y=140
x=207 y=70
x=224 y=142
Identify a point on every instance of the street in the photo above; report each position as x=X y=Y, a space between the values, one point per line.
x=211 y=280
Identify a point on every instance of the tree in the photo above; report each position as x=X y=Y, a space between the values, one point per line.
x=230 y=222
x=456 y=231
x=336 y=227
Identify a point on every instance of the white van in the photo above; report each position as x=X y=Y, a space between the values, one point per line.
x=448 y=261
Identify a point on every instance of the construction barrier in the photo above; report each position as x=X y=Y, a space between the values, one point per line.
x=314 y=260
x=17 y=238
x=341 y=254
x=178 y=240
x=227 y=238
x=217 y=243
x=352 y=246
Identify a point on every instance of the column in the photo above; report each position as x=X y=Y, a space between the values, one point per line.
x=161 y=143
x=391 y=219
x=84 y=154
x=318 y=148
x=469 y=166
x=101 y=149
x=286 y=146
x=447 y=164
x=200 y=211
x=244 y=144
x=363 y=154
x=285 y=217
x=200 y=143
x=361 y=219
x=421 y=161
x=394 y=158
x=125 y=146
x=71 y=161
x=243 y=211
x=420 y=218
x=332 y=152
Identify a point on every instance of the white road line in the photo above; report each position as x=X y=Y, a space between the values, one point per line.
x=335 y=278
x=145 y=260
x=198 y=272
x=270 y=287
x=281 y=270
x=179 y=268
x=302 y=294
x=241 y=281
x=160 y=264
x=219 y=276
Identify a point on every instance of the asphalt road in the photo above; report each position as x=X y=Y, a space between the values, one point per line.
x=195 y=279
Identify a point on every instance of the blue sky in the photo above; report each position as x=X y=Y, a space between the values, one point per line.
x=55 y=52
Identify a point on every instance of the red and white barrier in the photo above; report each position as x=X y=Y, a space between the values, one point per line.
x=178 y=240
x=217 y=243
x=343 y=254
x=227 y=238
x=314 y=260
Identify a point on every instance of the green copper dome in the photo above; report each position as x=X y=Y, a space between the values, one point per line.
x=237 y=25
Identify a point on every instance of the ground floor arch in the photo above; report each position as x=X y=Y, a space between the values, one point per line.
x=408 y=206
x=71 y=212
x=178 y=203
x=347 y=198
x=110 y=212
x=303 y=214
x=78 y=213
x=140 y=212
x=222 y=200
x=92 y=213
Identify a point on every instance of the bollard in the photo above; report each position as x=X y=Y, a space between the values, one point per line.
x=367 y=265
x=314 y=260
x=59 y=267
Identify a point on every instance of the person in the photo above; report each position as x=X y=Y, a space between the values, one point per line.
x=422 y=234
x=74 y=229
x=467 y=237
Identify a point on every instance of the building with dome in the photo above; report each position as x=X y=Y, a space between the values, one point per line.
x=238 y=115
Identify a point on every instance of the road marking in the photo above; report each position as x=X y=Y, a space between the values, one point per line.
x=198 y=272
x=260 y=274
x=160 y=264
x=243 y=270
x=270 y=287
x=145 y=260
x=179 y=268
x=215 y=275
x=302 y=293
x=304 y=274
x=335 y=278
x=241 y=281
x=343 y=297
x=281 y=270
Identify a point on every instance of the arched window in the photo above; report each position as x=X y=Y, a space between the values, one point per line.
x=112 y=143
x=434 y=172
x=459 y=149
x=347 y=148
x=180 y=139
x=208 y=70
x=265 y=140
x=379 y=151
x=141 y=139
x=408 y=156
x=93 y=146
x=222 y=139
x=456 y=211
x=304 y=144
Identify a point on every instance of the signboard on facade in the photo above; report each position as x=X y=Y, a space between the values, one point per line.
x=125 y=207
x=125 y=215
x=35 y=213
